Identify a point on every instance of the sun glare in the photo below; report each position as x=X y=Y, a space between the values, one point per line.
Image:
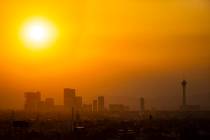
x=38 y=33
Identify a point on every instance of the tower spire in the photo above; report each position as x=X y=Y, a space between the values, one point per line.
x=184 y=84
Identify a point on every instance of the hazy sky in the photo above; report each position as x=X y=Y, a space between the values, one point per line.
x=122 y=49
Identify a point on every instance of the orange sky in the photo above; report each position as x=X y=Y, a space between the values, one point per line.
x=115 y=48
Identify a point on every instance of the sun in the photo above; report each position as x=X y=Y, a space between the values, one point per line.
x=38 y=33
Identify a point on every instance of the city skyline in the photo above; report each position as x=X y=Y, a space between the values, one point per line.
x=104 y=69
x=117 y=49
x=135 y=105
x=72 y=102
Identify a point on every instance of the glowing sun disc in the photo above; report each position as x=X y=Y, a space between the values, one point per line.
x=38 y=33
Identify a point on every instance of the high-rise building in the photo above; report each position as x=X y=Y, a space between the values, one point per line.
x=32 y=101
x=184 y=84
x=69 y=99
x=100 y=103
x=49 y=104
x=95 y=106
x=142 y=106
x=78 y=103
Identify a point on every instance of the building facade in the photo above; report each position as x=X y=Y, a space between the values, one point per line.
x=69 y=99
x=32 y=101
x=101 y=104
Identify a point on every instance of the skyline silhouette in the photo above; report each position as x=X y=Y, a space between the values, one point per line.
x=122 y=49
x=104 y=70
x=34 y=100
x=133 y=101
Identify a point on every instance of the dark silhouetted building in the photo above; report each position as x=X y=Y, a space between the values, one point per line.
x=101 y=104
x=32 y=101
x=78 y=103
x=49 y=104
x=184 y=84
x=95 y=105
x=142 y=106
x=69 y=99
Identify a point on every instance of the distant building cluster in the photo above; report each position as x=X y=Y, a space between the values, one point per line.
x=33 y=103
x=73 y=103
